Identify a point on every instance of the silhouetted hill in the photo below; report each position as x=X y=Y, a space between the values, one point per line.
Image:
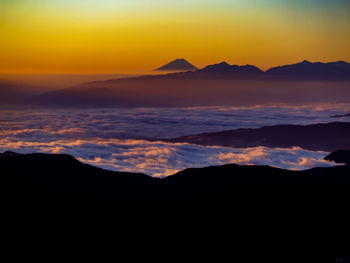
x=220 y=84
x=234 y=70
x=43 y=190
x=15 y=94
x=318 y=137
x=8 y=153
x=47 y=194
x=304 y=70
x=178 y=65
x=341 y=156
x=317 y=70
x=341 y=115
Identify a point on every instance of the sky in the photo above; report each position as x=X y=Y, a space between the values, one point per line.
x=130 y=36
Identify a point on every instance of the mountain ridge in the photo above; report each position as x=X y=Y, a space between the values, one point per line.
x=179 y=64
x=307 y=69
x=224 y=67
x=322 y=136
x=339 y=156
x=218 y=84
x=49 y=192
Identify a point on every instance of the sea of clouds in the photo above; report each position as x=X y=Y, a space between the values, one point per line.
x=117 y=138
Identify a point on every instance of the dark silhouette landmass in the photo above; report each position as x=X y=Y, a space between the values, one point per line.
x=8 y=154
x=229 y=70
x=213 y=85
x=178 y=65
x=317 y=137
x=341 y=115
x=14 y=93
x=339 y=70
x=341 y=156
x=317 y=70
x=56 y=195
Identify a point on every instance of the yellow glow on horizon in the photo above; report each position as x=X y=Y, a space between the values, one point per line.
x=141 y=38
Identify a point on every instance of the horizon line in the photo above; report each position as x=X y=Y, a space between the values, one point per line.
x=149 y=71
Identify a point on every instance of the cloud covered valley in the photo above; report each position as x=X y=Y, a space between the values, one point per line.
x=117 y=139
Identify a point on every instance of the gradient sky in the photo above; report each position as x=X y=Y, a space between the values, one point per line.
x=125 y=36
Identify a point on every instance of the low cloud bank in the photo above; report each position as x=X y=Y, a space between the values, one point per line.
x=157 y=122
x=162 y=159
x=115 y=138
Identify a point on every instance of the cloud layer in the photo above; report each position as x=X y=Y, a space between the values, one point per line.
x=114 y=139
x=158 y=122
x=161 y=159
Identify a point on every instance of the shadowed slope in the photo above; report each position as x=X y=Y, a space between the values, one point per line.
x=324 y=137
x=309 y=70
x=342 y=156
x=15 y=94
x=219 y=84
x=234 y=70
x=178 y=65
x=49 y=193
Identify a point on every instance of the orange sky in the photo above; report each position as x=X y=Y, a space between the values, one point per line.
x=48 y=36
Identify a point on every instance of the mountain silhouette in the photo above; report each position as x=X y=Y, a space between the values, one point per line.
x=50 y=194
x=317 y=137
x=341 y=115
x=219 y=84
x=15 y=93
x=341 y=156
x=178 y=65
x=309 y=70
x=225 y=68
x=339 y=70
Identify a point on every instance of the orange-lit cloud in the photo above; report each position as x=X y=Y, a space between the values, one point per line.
x=163 y=159
x=99 y=136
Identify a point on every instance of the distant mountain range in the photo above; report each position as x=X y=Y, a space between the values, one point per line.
x=224 y=68
x=213 y=85
x=303 y=70
x=341 y=115
x=50 y=194
x=317 y=137
x=317 y=70
x=178 y=65
x=14 y=93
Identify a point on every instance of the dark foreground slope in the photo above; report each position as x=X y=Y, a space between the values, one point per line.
x=53 y=194
x=57 y=191
x=318 y=137
x=341 y=156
